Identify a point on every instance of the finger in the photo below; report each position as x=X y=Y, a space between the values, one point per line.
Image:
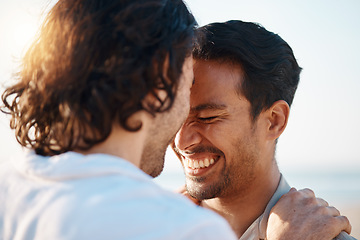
x=194 y=200
x=333 y=211
x=181 y=189
x=307 y=192
x=344 y=223
x=322 y=202
x=292 y=190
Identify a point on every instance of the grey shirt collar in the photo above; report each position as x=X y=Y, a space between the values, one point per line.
x=257 y=229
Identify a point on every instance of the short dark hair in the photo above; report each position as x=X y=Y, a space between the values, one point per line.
x=92 y=65
x=271 y=72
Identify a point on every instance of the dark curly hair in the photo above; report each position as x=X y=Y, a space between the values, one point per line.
x=271 y=72
x=92 y=64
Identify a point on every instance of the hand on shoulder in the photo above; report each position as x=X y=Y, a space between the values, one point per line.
x=301 y=215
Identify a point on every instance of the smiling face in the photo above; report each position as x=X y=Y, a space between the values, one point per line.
x=219 y=145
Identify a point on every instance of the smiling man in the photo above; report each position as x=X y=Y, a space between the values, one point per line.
x=245 y=81
x=101 y=93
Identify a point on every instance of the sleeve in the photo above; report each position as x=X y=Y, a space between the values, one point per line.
x=344 y=236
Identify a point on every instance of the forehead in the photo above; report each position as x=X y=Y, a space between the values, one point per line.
x=216 y=83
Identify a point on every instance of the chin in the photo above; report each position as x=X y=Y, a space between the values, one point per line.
x=152 y=161
x=198 y=191
x=152 y=166
x=156 y=172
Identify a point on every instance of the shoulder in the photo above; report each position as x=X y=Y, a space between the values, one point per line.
x=111 y=200
x=144 y=211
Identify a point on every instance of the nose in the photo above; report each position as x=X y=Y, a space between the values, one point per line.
x=187 y=137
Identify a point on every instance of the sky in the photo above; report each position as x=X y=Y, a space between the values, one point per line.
x=323 y=132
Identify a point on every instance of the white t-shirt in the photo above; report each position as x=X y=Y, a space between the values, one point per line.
x=97 y=196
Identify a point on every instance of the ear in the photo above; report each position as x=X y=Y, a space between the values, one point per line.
x=278 y=115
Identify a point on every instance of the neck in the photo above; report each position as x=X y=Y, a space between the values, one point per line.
x=121 y=143
x=241 y=209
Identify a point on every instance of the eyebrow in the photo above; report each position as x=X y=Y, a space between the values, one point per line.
x=207 y=106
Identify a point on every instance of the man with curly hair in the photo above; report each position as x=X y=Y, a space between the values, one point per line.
x=101 y=93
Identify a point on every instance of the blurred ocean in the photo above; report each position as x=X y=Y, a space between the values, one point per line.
x=338 y=188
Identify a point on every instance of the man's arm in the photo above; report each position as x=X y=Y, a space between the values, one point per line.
x=300 y=215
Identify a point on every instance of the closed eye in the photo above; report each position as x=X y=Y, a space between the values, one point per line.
x=207 y=119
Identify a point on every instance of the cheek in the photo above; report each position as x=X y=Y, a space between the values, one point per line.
x=220 y=137
x=214 y=135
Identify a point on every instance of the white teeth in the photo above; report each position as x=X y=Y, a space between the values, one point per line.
x=190 y=163
x=206 y=162
x=201 y=164
x=197 y=164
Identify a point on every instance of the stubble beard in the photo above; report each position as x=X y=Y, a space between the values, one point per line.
x=195 y=188
x=153 y=155
x=230 y=180
x=152 y=160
